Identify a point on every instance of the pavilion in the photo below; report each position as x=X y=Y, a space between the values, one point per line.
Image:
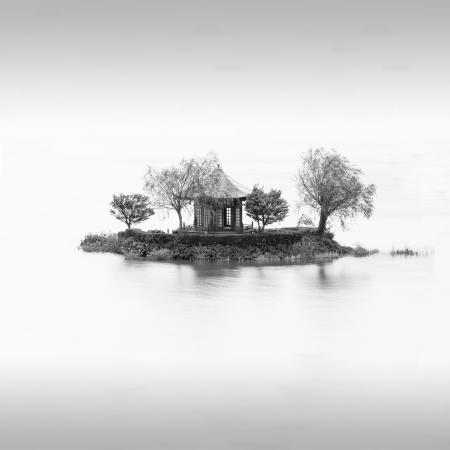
x=221 y=210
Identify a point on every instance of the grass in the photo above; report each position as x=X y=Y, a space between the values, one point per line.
x=406 y=251
x=101 y=242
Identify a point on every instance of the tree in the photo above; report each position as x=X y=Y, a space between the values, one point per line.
x=176 y=186
x=329 y=184
x=131 y=208
x=266 y=208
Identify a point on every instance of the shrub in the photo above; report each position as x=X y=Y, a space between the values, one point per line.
x=361 y=251
x=160 y=254
x=133 y=232
x=101 y=243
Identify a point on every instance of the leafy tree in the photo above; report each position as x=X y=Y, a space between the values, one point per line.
x=175 y=187
x=329 y=184
x=266 y=208
x=131 y=208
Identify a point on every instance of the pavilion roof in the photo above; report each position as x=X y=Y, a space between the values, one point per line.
x=227 y=187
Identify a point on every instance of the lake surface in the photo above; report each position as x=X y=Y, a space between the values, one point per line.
x=99 y=352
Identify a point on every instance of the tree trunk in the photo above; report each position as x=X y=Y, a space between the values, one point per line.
x=180 y=220
x=128 y=225
x=322 y=223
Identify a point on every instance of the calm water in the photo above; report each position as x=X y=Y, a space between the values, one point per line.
x=100 y=352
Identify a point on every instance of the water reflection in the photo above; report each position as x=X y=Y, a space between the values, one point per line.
x=205 y=279
x=323 y=277
x=224 y=355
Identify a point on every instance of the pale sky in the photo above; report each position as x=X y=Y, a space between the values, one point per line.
x=93 y=91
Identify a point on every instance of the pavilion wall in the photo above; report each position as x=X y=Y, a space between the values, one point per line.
x=207 y=218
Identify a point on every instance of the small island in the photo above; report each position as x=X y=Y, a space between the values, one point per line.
x=326 y=183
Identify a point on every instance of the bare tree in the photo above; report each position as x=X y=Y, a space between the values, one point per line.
x=175 y=187
x=329 y=184
x=131 y=208
x=266 y=208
